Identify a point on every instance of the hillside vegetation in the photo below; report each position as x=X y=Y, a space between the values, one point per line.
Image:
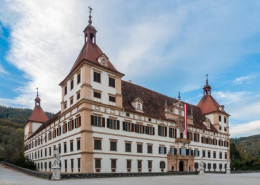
x=12 y=135
x=17 y=115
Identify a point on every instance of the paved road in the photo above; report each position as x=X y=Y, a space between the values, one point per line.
x=9 y=176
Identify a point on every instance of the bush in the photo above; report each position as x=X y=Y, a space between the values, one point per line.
x=25 y=163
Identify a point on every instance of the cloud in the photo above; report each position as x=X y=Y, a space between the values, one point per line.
x=243 y=79
x=245 y=129
x=230 y=97
x=2 y=70
x=183 y=38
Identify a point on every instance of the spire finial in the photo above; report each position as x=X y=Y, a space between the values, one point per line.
x=37 y=91
x=90 y=10
x=179 y=96
x=207 y=79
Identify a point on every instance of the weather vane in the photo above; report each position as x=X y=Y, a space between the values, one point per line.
x=37 y=91
x=90 y=9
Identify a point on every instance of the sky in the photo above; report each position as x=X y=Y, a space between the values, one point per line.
x=167 y=46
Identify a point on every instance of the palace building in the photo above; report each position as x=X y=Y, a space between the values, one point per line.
x=107 y=125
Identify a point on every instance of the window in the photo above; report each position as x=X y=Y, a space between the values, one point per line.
x=149 y=119
x=208 y=154
x=78 y=143
x=173 y=151
x=112 y=82
x=220 y=155
x=113 y=146
x=72 y=164
x=220 y=128
x=225 y=120
x=225 y=155
x=113 y=165
x=149 y=130
x=97 y=77
x=209 y=166
x=65 y=90
x=112 y=99
x=162 y=164
x=97 y=144
x=65 y=104
x=127 y=114
x=127 y=126
x=172 y=133
x=139 y=165
x=139 y=148
x=78 y=95
x=113 y=124
x=45 y=152
x=138 y=106
x=97 y=163
x=64 y=127
x=49 y=151
x=162 y=130
x=128 y=165
x=59 y=148
x=128 y=147
x=220 y=167
x=65 y=165
x=71 y=84
x=97 y=95
x=162 y=150
x=214 y=155
x=97 y=121
x=78 y=78
x=65 y=147
x=78 y=164
x=71 y=100
x=225 y=129
x=150 y=165
x=197 y=153
x=139 y=128
x=71 y=145
x=219 y=118
x=149 y=149
x=204 y=153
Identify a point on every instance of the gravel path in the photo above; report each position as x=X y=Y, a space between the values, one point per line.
x=9 y=176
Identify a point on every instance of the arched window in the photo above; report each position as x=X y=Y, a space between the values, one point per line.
x=196 y=166
x=214 y=166
x=209 y=166
x=220 y=167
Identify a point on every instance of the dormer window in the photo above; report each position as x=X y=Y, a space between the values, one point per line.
x=137 y=103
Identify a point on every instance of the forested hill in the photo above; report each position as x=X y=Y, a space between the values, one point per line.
x=16 y=115
x=249 y=146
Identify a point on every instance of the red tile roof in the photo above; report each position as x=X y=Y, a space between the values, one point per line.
x=46 y=123
x=91 y=52
x=208 y=105
x=154 y=103
x=38 y=115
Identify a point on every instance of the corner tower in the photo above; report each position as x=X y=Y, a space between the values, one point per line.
x=36 y=119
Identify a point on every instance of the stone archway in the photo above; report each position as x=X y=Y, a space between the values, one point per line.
x=181 y=166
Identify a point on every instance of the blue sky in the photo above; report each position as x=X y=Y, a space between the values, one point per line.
x=167 y=46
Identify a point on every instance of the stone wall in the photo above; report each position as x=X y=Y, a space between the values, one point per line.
x=107 y=175
x=29 y=172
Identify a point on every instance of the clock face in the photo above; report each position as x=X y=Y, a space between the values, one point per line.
x=103 y=62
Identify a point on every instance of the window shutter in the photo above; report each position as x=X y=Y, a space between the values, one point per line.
x=175 y=151
x=79 y=121
x=103 y=122
x=187 y=151
x=73 y=122
x=133 y=127
x=144 y=129
x=170 y=132
x=159 y=149
x=175 y=133
x=62 y=129
x=191 y=152
x=180 y=151
x=165 y=131
x=92 y=120
x=107 y=123
x=118 y=125
x=153 y=131
x=165 y=150
x=159 y=128
x=198 y=153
